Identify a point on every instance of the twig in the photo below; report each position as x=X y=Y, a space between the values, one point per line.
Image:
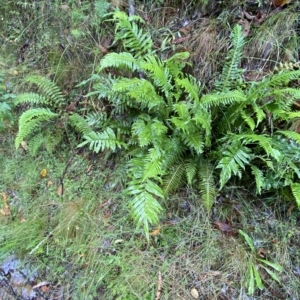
x=159 y=287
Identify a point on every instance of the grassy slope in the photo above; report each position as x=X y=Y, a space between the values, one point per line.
x=85 y=241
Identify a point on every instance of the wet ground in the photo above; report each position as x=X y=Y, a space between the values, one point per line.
x=22 y=282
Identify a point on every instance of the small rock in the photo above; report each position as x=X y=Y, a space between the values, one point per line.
x=194 y=293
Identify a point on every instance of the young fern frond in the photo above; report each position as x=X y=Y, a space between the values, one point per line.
x=30 y=120
x=176 y=63
x=190 y=86
x=231 y=72
x=158 y=73
x=132 y=37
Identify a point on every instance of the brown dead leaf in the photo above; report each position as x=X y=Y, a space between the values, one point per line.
x=262 y=252
x=49 y=183
x=224 y=228
x=155 y=232
x=246 y=26
x=41 y=284
x=6 y=210
x=103 y=49
x=88 y=169
x=71 y=107
x=60 y=190
x=248 y=16
x=181 y=39
x=289 y=212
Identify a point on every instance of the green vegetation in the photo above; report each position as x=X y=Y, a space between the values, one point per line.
x=154 y=164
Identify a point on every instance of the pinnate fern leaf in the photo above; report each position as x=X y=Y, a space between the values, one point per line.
x=295 y=187
x=207 y=185
x=49 y=89
x=99 y=141
x=119 y=60
x=29 y=121
x=235 y=158
x=31 y=98
x=144 y=206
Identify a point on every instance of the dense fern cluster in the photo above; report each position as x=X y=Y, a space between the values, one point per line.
x=171 y=134
x=176 y=135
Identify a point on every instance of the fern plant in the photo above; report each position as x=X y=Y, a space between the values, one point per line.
x=39 y=123
x=171 y=134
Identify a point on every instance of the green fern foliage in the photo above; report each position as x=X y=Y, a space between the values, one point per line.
x=132 y=37
x=49 y=90
x=173 y=134
x=30 y=121
x=231 y=73
x=99 y=141
x=207 y=186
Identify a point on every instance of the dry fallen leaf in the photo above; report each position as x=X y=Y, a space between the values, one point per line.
x=49 y=183
x=194 y=293
x=43 y=173
x=155 y=232
x=225 y=228
x=5 y=211
x=60 y=190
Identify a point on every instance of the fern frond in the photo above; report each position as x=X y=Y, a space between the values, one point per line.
x=194 y=140
x=99 y=141
x=153 y=164
x=80 y=125
x=176 y=63
x=119 y=60
x=29 y=120
x=141 y=90
x=207 y=185
x=31 y=98
x=249 y=121
x=223 y=98
x=35 y=143
x=191 y=167
x=264 y=141
x=190 y=86
x=158 y=73
x=259 y=178
x=132 y=37
x=235 y=157
x=144 y=207
x=49 y=89
x=291 y=135
x=295 y=187
x=231 y=72
x=175 y=177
